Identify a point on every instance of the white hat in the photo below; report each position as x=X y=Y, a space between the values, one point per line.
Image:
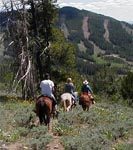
x=85 y=82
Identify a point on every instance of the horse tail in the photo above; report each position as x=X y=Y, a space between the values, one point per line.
x=43 y=107
x=42 y=103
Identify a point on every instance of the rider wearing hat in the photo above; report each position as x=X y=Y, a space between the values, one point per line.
x=86 y=89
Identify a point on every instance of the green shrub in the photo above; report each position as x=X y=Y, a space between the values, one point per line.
x=38 y=138
x=127 y=87
x=125 y=146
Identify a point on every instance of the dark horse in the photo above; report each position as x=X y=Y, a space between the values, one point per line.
x=44 y=110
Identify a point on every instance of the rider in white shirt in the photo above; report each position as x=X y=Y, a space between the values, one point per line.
x=47 y=89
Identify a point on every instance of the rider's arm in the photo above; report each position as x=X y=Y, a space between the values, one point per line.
x=53 y=89
x=89 y=88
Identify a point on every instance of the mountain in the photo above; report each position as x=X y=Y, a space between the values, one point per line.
x=99 y=40
x=130 y=22
x=96 y=35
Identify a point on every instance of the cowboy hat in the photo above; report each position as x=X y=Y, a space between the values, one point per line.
x=85 y=82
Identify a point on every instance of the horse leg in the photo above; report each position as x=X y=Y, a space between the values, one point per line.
x=69 y=108
x=84 y=108
x=40 y=119
x=64 y=103
x=88 y=107
x=48 y=121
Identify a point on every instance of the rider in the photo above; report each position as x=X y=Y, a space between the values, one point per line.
x=47 y=89
x=86 y=89
x=69 y=88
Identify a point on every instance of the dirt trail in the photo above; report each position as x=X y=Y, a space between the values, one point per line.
x=55 y=144
x=14 y=146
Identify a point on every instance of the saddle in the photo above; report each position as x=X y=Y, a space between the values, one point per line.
x=90 y=96
x=45 y=96
x=54 y=109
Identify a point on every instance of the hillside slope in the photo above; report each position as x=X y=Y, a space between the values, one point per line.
x=110 y=35
x=95 y=34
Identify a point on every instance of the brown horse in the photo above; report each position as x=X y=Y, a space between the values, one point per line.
x=44 y=110
x=85 y=101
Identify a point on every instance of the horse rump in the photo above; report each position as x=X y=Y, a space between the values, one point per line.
x=66 y=101
x=84 y=101
x=44 y=109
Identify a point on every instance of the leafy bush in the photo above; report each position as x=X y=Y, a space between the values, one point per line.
x=106 y=81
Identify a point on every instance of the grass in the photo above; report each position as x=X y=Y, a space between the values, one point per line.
x=106 y=126
x=113 y=62
x=100 y=128
x=99 y=60
x=16 y=117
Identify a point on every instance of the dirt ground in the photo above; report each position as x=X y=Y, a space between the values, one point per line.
x=55 y=144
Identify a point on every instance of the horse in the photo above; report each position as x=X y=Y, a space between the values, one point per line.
x=67 y=101
x=44 y=110
x=85 y=101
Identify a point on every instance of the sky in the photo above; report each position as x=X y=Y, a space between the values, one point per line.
x=121 y=10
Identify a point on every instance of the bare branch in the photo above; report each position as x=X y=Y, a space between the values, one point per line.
x=27 y=71
x=44 y=51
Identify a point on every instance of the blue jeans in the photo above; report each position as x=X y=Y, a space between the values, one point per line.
x=75 y=97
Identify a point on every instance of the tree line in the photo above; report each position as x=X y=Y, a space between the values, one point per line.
x=34 y=44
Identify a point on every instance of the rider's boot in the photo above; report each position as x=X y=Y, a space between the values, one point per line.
x=93 y=101
x=54 y=109
x=75 y=102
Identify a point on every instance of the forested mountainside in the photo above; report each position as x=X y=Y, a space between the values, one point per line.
x=99 y=40
x=96 y=35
